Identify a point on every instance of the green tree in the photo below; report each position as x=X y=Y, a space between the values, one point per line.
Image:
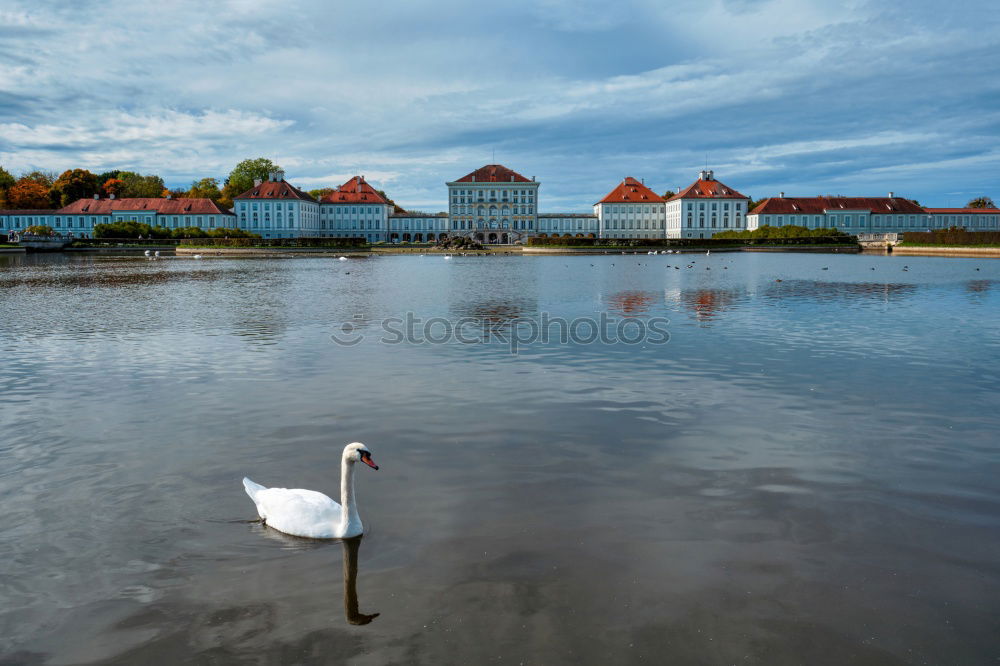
x=206 y=188
x=108 y=175
x=28 y=194
x=981 y=202
x=6 y=180
x=75 y=184
x=243 y=175
x=321 y=192
x=136 y=185
x=46 y=178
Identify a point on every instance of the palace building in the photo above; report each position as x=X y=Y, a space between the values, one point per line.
x=705 y=207
x=631 y=210
x=496 y=205
x=852 y=215
x=493 y=204
x=81 y=216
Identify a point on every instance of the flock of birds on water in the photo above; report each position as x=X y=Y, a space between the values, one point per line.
x=156 y=255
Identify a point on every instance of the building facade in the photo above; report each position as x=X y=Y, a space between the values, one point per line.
x=631 y=210
x=81 y=216
x=970 y=219
x=577 y=225
x=852 y=215
x=497 y=205
x=704 y=208
x=355 y=210
x=493 y=204
x=276 y=209
x=418 y=227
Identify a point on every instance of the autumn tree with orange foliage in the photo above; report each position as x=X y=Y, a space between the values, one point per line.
x=27 y=194
x=75 y=184
x=113 y=186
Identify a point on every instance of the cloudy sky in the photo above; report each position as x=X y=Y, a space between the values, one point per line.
x=804 y=96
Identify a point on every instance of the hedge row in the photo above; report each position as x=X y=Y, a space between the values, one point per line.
x=687 y=242
x=947 y=237
x=277 y=242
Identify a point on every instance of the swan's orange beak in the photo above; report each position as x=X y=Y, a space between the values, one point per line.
x=367 y=459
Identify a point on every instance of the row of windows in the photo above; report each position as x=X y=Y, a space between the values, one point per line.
x=493 y=210
x=91 y=220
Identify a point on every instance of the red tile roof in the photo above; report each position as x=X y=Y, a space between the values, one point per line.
x=819 y=205
x=960 y=211
x=180 y=206
x=631 y=190
x=275 y=189
x=708 y=189
x=493 y=173
x=356 y=190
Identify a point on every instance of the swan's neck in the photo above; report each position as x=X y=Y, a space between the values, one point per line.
x=350 y=521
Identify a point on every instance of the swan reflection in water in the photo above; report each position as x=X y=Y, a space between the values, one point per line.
x=354 y=616
x=351 y=547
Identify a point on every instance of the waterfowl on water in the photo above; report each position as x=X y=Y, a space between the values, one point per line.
x=307 y=513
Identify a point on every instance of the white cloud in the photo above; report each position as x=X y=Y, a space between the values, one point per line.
x=577 y=93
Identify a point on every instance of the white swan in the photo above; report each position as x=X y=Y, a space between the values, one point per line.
x=307 y=513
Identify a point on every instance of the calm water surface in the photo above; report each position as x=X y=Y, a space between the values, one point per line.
x=807 y=472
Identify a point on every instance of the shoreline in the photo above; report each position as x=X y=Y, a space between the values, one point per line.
x=946 y=251
x=851 y=249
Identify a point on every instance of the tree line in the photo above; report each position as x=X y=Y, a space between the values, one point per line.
x=45 y=190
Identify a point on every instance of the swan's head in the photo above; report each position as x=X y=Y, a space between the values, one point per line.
x=358 y=452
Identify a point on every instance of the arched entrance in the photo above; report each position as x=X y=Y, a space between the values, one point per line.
x=505 y=239
x=492 y=239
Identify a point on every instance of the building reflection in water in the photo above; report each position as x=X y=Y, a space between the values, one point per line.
x=978 y=286
x=495 y=311
x=630 y=302
x=705 y=305
x=828 y=291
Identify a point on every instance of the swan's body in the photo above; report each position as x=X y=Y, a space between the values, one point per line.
x=308 y=513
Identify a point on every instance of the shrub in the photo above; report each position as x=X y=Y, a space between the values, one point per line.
x=40 y=230
x=951 y=237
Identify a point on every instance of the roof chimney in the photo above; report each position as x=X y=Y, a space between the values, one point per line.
x=170 y=196
x=781 y=195
x=891 y=194
x=97 y=196
x=111 y=196
x=257 y=182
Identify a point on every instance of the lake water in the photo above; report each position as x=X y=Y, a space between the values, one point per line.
x=807 y=470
